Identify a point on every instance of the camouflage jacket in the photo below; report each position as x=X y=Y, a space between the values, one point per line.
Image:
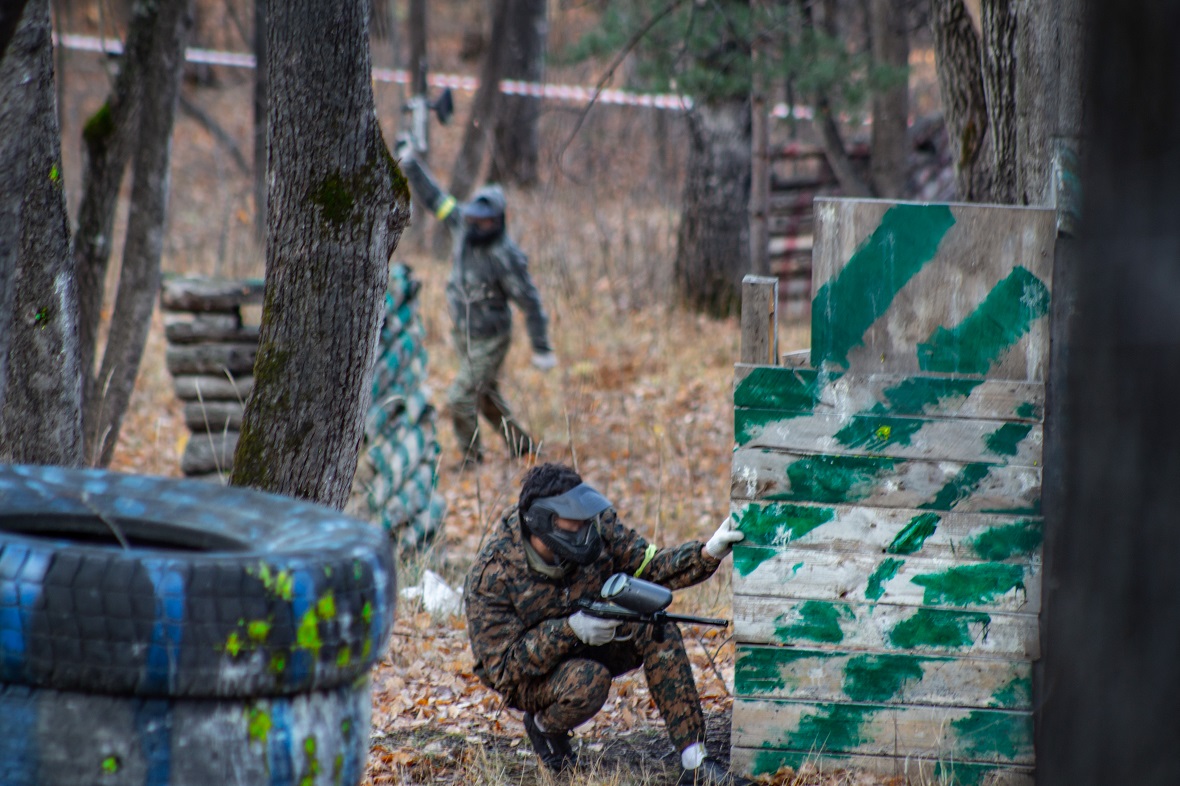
x=484 y=278
x=516 y=617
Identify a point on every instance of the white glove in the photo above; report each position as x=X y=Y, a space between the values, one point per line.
x=723 y=539
x=544 y=360
x=595 y=631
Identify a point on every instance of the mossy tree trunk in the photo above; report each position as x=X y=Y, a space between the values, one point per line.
x=109 y=138
x=40 y=384
x=139 y=275
x=338 y=204
x=713 y=253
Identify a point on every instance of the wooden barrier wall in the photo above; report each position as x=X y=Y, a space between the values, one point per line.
x=887 y=592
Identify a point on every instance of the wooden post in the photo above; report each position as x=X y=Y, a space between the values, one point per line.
x=760 y=320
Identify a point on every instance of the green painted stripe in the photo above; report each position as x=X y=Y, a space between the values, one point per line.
x=1005 y=440
x=778 y=524
x=788 y=390
x=970 y=585
x=760 y=669
x=1017 y=694
x=987 y=734
x=958 y=488
x=1000 y=543
x=834 y=479
x=939 y=628
x=849 y=303
x=875 y=432
x=988 y=332
x=880 y=575
x=914 y=395
x=879 y=678
x=746 y=558
x=914 y=534
x=818 y=622
x=835 y=727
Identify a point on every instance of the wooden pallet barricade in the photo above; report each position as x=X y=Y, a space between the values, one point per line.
x=887 y=593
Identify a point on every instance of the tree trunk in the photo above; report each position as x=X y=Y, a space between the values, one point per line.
x=964 y=105
x=10 y=16
x=109 y=138
x=17 y=106
x=479 y=124
x=139 y=277
x=1039 y=55
x=1113 y=590
x=261 y=67
x=890 y=143
x=824 y=120
x=40 y=413
x=1000 y=62
x=712 y=253
x=338 y=207
x=516 y=147
x=417 y=67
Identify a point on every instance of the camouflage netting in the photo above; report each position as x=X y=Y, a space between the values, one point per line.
x=397 y=468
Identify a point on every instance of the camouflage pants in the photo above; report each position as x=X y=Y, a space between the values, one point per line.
x=576 y=690
x=476 y=391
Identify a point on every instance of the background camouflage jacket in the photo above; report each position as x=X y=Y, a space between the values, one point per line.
x=516 y=617
x=484 y=278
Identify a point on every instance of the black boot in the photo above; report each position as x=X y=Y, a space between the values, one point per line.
x=553 y=747
x=711 y=773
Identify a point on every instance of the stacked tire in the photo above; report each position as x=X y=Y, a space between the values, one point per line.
x=162 y=631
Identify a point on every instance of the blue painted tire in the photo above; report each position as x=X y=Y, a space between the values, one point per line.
x=55 y=738
x=205 y=591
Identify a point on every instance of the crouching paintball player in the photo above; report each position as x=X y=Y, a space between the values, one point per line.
x=532 y=644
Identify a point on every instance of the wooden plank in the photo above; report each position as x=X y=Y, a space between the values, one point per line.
x=190 y=387
x=816 y=675
x=213 y=415
x=207 y=328
x=940 y=771
x=985 y=736
x=801 y=391
x=955 y=439
x=882 y=627
x=211 y=452
x=211 y=359
x=965 y=537
x=885 y=482
x=906 y=287
x=907 y=581
x=759 y=322
x=179 y=293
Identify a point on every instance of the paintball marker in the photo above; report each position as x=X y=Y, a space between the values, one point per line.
x=629 y=599
x=419 y=108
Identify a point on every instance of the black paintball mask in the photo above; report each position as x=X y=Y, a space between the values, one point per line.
x=581 y=503
x=484 y=216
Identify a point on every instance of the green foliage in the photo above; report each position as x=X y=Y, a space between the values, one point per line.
x=704 y=51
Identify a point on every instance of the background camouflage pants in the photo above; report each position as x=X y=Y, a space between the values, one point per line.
x=573 y=692
x=476 y=391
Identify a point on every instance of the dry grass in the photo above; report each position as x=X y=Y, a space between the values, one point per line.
x=640 y=404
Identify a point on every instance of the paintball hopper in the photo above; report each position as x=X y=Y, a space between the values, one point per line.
x=636 y=594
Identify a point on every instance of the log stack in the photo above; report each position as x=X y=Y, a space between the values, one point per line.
x=210 y=355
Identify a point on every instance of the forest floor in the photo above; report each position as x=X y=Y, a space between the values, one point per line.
x=640 y=403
